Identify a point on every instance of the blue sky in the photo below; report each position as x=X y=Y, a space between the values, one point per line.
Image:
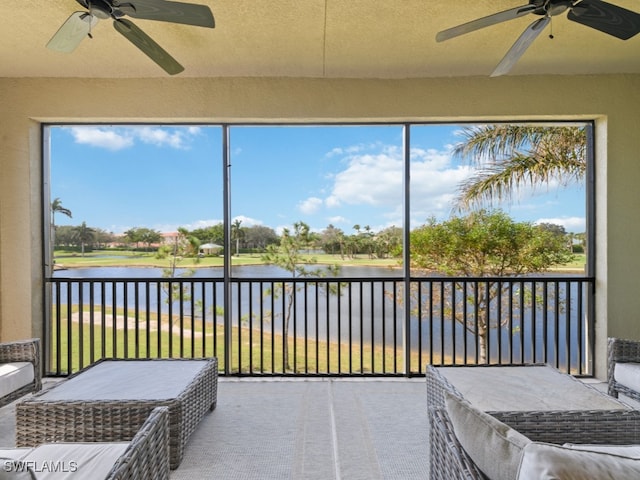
x=120 y=177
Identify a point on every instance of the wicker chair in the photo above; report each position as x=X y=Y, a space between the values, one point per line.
x=22 y=351
x=621 y=351
x=449 y=460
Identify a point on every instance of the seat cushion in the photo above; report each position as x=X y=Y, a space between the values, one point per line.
x=10 y=466
x=71 y=461
x=15 y=375
x=547 y=461
x=11 y=469
x=493 y=446
x=628 y=374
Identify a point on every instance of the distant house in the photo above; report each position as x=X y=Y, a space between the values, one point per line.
x=170 y=238
x=210 y=249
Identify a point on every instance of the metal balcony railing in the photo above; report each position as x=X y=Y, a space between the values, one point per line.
x=320 y=327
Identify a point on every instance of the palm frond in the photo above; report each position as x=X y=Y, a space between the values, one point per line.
x=510 y=156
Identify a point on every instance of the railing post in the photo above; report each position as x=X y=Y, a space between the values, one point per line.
x=406 y=260
x=226 y=175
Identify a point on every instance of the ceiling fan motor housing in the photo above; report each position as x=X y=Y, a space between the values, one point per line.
x=103 y=9
x=551 y=7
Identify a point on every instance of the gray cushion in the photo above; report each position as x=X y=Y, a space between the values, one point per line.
x=73 y=461
x=493 y=446
x=15 y=375
x=12 y=469
x=546 y=461
x=631 y=451
x=628 y=374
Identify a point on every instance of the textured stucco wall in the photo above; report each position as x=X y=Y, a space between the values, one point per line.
x=612 y=101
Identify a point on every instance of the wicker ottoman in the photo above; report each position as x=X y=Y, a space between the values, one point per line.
x=110 y=400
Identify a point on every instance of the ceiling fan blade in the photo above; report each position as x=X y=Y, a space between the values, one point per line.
x=607 y=18
x=521 y=45
x=72 y=32
x=165 y=11
x=484 y=22
x=144 y=42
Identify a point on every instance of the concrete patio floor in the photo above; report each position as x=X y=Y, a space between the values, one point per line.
x=303 y=429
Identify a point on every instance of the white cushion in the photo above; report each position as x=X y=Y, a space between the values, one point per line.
x=73 y=461
x=10 y=466
x=11 y=469
x=15 y=375
x=493 y=446
x=628 y=374
x=14 y=453
x=631 y=451
x=542 y=461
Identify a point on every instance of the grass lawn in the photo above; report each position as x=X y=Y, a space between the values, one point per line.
x=102 y=336
x=106 y=258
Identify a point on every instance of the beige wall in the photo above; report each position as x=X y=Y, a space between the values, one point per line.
x=613 y=101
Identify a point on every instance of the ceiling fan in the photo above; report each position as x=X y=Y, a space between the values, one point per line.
x=605 y=17
x=79 y=25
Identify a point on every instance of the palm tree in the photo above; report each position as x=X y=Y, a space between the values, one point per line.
x=84 y=235
x=237 y=233
x=56 y=207
x=510 y=156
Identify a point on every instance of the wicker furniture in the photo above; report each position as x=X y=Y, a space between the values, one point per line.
x=558 y=423
x=145 y=457
x=109 y=401
x=17 y=352
x=449 y=461
x=621 y=351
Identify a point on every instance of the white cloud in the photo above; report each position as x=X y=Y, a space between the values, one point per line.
x=310 y=206
x=369 y=179
x=377 y=180
x=199 y=224
x=118 y=138
x=160 y=137
x=570 y=224
x=338 y=219
x=247 y=221
x=102 y=137
x=350 y=150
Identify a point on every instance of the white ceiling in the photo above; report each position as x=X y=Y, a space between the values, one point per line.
x=313 y=38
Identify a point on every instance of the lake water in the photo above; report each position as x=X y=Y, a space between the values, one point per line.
x=364 y=311
x=243 y=271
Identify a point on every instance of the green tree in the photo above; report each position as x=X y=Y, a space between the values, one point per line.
x=259 y=236
x=185 y=245
x=483 y=244
x=288 y=255
x=133 y=236
x=149 y=236
x=143 y=235
x=103 y=237
x=65 y=235
x=510 y=156
x=56 y=207
x=332 y=240
x=211 y=234
x=83 y=235
x=237 y=233
x=388 y=242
